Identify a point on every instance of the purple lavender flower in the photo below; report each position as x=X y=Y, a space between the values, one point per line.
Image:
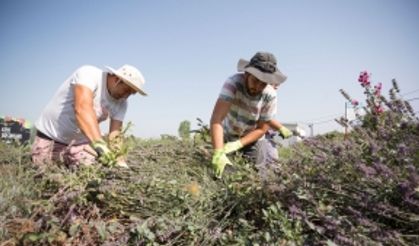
x=354 y=102
x=378 y=109
x=368 y=171
x=354 y=212
x=373 y=148
x=404 y=187
x=364 y=222
x=295 y=212
x=336 y=150
x=377 y=90
x=344 y=240
x=413 y=175
x=364 y=79
x=383 y=169
x=411 y=169
x=402 y=149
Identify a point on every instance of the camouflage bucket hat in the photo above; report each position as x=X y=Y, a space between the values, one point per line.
x=262 y=66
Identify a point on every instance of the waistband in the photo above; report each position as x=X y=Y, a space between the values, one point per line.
x=44 y=136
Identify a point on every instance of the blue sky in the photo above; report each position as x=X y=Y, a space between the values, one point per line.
x=186 y=49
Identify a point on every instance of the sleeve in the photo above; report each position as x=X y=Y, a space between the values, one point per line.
x=228 y=91
x=269 y=108
x=85 y=75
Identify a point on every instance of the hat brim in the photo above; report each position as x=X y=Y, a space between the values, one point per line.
x=129 y=83
x=275 y=78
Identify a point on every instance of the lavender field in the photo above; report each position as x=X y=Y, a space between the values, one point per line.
x=361 y=188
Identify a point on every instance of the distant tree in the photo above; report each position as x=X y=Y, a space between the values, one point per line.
x=184 y=130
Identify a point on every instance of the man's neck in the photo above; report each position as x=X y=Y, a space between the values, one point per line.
x=110 y=84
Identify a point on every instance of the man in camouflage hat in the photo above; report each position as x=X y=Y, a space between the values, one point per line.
x=244 y=109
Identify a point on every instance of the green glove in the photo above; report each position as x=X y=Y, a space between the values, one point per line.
x=105 y=155
x=232 y=146
x=219 y=160
x=285 y=132
x=121 y=163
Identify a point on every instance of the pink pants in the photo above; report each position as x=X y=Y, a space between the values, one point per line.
x=46 y=151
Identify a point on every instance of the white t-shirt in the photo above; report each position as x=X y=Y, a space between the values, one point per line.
x=58 y=119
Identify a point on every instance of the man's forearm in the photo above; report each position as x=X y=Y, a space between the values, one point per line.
x=88 y=124
x=274 y=124
x=253 y=136
x=85 y=114
x=217 y=136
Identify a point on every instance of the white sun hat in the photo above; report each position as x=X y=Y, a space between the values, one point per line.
x=131 y=76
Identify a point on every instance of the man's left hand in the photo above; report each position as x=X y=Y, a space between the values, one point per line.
x=285 y=132
x=106 y=156
x=232 y=146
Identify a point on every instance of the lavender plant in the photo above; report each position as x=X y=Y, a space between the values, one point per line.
x=363 y=189
x=356 y=189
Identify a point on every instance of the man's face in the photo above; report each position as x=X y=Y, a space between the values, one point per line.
x=254 y=86
x=121 y=90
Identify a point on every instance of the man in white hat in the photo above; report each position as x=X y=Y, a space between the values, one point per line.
x=244 y=111
x=68 y=128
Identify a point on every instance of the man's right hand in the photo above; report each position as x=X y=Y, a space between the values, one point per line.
x=105 y=155
x=219 y=160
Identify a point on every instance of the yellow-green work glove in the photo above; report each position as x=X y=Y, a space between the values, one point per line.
x=285 y=132
x=232 y=146
x=116 y=145
x=219 y=161
x=121 y=162
x=105 y=155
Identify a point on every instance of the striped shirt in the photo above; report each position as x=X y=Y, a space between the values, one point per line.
x=246 y=110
